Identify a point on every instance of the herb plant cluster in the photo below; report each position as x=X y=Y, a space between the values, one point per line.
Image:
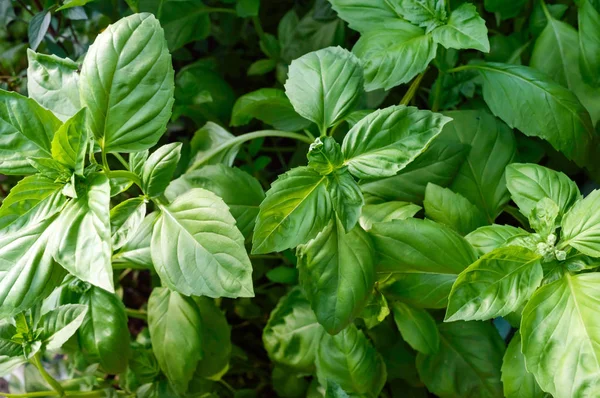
x=407 y=207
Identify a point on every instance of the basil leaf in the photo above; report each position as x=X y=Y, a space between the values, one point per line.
x=206 y=140
x=81 y=240
x=420 y=289
x=104 y=336
x=385 y=141
x=417 y=327
x=127 y=84
x=216 y=340
x=467 y=363
x=424 y=13
x=561 y=321
x=197 y=227
x=589 y=42
x=438 y=164
x=136 y=252
x=393 y=56
x=375 y=311
x=176 y=332
x=125 y=219
x=137 y=160
x=379 y=14
x=61 y=323
x=517 y=381
x=536 y=101
x=292 y=333
x=581 y=226
x=506 y=10
x=38 y=26
x=336 y=85
x=491 y=237
x=70 y=143
x=53 y=82
x=8 y=348
x=325 y=155
x=464 y=29
x=28 y=272
x=388 y=211
x=159 y=169
x=269 y=105
x=337 y=273
x=530 y=183
x=346 y=197
x=295 y=209
x=34 y=199
x=452 y=209
x=497 y=284
x=238 y=189
x=481 y=178
x=26 y=133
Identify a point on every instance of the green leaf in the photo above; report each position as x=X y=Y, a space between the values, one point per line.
x=125 y=219
x=385 y=141
x=538 y=107
x=335 y=391
x=72 y=3
x=499 y=283
x=159 y=169
x=337 y=273
x=27 y=130
x=34 y=199
x=238 y=189
x=325 y=85
x=61 y=323
x=206 y=140
x=137 y=161
x=269 y=105
x=127 y=84
x=196 y=248
x=561 y=321
x=379 y=14
x=395 y=55
x=464 y=29
x=104 y=336
x=424 y=13
x=136 y=253
x=581 y=226
x=346 y=197
x=247 y=8
x=81 y=240
x=517 y=381
x=530 y=183
x=493 y=146
x=38 y=26
x=296 y=209
x=283 y=274
x=417 y=327
x=589 y=42
x=421 y=277
x=452 y=209
x=70 y=143
x=216 y=340
x=54 y=83
x=376 y=310
x=438 y=164
x=262 y=67
x=9 y=348
x=350 y=360
x=325 y=155
x=176 y=331
x=28 y=272
x=491 y=237
x=292 y=334
x=467 y=364
x=506 y=10
x=387 y=211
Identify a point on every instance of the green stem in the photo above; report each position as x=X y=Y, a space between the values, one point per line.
x=221 y=10
x=228 y=386
x=460 y=68
x=138 y=314
x=125 y=174
x=437 y=94
x=334 y=128
x=49 y=379
x=247 y=137
x=258 y=27
x=122 y=160
x=105 y=162
x=545 y=9
x=516 y=214
x=412 y=90
x=515 y=55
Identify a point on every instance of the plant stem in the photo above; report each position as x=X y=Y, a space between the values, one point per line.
x=122 y=160
x=221 y=10
x=124 y=174
x=412 y=89
x=138 y=314
x=105 y=162
x=460 y=68
x=228 y=386
x=516 y=214
x=247 y=137
x=258 y=27
x=437 y=94
x=49 y=379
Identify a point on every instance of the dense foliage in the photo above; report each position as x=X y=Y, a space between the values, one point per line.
x=326 y=198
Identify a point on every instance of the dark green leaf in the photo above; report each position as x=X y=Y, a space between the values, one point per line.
x=417 y=327
x=38 y=26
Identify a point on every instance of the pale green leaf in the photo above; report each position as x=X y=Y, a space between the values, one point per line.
x=325 y=155
x=210 y=137
x=581 y=225
x=296 y=209
x=425 y=13
x=136 y=253
x=497 y=284
x=196 y=248
x=70 y=143
x=387 y=211
x=337 y=273
x=216 y=340
x=365 y=17
x=517 y=381
x=491 y=237
x=385 y=141
x=61 y=323
x=159 y=169
x=127 y=83
x=464 y=29
x=125 y=219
